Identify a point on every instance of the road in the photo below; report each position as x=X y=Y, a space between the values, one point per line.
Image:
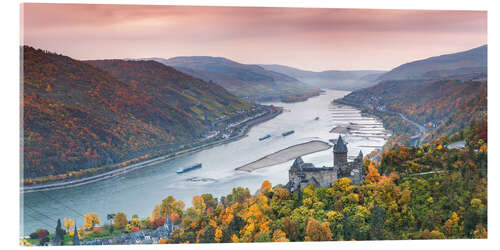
x=421 y=129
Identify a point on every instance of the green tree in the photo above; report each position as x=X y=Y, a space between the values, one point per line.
x=377 y=222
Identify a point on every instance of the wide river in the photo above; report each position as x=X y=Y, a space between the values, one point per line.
x=137 y=192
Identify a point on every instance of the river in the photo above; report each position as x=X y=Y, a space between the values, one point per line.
x=137 y=192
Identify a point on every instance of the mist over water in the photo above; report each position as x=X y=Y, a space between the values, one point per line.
x=137 y=192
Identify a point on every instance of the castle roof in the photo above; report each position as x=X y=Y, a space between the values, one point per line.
x=297 y=164
x=340 y=146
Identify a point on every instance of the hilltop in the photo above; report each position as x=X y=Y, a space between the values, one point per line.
x=472 y=61
x=243 y=80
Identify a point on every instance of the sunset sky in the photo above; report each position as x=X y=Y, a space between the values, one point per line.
x=311 y=39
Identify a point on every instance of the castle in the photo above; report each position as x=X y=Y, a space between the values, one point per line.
x=303 y=174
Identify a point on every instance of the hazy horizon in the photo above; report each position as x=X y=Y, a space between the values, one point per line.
x=304 y=38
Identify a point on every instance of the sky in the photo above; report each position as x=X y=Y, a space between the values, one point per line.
x=307 y=38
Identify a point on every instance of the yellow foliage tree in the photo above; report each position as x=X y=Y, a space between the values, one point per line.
x=316 y=231
x=71 y=233
x=480 y=232
x=279 y=236
x=235 y=239
x=218 y=235
x=120 y=221
x=266 y=186
x=91 y=220
x=156 y=212
x=68 y=223
x=199 y=205
x=342 y=184
x=373 y=174
x=483 y=148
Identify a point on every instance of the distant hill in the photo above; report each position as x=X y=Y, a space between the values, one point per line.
x=79 y=116
x=462 y=63
x=445 y=93
x=243 y=80
x=330 y=79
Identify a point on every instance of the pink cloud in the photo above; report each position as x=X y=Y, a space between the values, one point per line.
x=315 y=39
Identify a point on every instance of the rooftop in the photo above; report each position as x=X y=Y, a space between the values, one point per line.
x=340 y=146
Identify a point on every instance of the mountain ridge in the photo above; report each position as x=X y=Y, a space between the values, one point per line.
x=468 y=61
x=243 y=80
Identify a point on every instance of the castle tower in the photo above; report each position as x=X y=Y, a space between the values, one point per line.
x=339 y=153
x=360 y=157
x=76 y=240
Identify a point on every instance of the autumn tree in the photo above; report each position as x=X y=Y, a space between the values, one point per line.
x=373 y=174
x=170 y=206
x=316 y=231
x=120 y=221
x=68 y=223
x=91 y=219
x=265 y=187
x=279 y=236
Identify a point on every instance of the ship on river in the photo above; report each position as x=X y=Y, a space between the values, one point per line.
x=288 y=133
x=183 y=170
x=265 y=137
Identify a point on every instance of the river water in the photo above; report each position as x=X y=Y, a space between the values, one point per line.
x=138 y=191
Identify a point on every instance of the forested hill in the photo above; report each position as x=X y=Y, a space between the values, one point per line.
x=78 y=116
x=243 y=80
x=428 y=102
x=444 y=93
x=462 y=63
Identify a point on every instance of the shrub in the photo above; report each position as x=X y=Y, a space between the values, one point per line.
x=34 y=235
x=42 y=233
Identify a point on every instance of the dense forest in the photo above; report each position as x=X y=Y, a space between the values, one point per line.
x=427 y=192
x=78 y=117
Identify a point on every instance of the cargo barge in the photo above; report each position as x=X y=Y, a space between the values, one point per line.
x=183 y=170
x=265 y=137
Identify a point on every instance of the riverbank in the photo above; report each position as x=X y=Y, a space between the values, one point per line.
x=285 y=155
x=245 y=128
x=416 y=140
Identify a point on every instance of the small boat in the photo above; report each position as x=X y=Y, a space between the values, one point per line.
x=265 y=137
x=317 y=118
x=288 y=133
x=183 y=170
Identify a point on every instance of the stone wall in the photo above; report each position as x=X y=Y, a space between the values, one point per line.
x=325 y=177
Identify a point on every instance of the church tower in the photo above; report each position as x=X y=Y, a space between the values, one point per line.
x=339 y=153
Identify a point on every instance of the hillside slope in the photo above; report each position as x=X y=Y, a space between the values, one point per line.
x=445 y=93
x=331 y=79
x=243 y=80
x=461 y=63
x=77 y=116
